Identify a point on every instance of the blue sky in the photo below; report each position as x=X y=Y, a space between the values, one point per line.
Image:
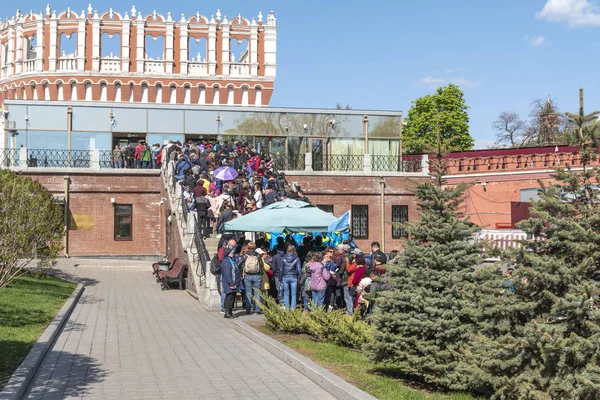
x=384 y=54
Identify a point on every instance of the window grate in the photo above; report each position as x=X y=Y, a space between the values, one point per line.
x=360 y=221
x=399 y=215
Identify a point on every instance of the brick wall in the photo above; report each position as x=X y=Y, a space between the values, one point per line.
x=492 y=205
x=343 y=191
x=90 y=195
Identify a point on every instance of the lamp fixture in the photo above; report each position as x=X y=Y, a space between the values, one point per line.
x=484 y=186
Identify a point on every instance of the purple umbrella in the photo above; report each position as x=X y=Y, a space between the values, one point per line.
x=225 y=173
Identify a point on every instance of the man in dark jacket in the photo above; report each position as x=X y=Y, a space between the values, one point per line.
x=277 y=266
x=291 y=271
x=375 y=250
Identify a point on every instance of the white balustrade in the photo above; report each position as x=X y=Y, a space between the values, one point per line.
x=154 y=66
x=29 y=66
x=239 y=69
x=197 y=69
x=110 y=65
x=67 y=64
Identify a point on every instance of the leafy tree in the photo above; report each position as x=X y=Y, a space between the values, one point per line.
x=542 y=343
x=425 y=324
x=449 y=103
x=31 y=225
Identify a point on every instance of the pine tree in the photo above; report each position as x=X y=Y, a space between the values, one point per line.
x=425 y=325
x=542 y=341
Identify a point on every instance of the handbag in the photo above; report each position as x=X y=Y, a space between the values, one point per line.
x=352 y=291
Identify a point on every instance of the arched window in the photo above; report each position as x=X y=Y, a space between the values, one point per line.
x=74 y=91
x=117 y=92
x=46 y=92
x=173 y=95
x=158 y=93
x=258 y=99
x=88 y=92
x=131 y=93
x=103 y=94
x=202 y=95
x=35 y=93
x=186 y=95
x=60 y=95
x=230 y=96
x=244 y=96
x=216 y=95
x=144 y=93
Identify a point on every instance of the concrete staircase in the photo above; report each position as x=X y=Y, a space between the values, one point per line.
x=206 y=284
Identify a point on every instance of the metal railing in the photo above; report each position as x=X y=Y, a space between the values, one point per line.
x=183 y=214
x=9 y=158
x=294 y=162
x=199 y=253
x=334 y=162
x=106 y=159
x=59 y=158
x=393 y=164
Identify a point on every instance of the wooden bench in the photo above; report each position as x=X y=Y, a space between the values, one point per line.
x=174 y=275
x=169 y=263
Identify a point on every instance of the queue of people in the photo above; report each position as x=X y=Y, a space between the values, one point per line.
x=308 y=276
x=216 y=200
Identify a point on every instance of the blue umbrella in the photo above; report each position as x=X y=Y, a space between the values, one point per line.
x=284 y=216
x=225 y=173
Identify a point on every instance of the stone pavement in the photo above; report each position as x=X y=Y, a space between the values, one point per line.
x=127 y=339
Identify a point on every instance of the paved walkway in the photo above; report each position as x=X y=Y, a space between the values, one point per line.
x=127 y=339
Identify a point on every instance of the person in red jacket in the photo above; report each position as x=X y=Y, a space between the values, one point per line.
x=138 y=155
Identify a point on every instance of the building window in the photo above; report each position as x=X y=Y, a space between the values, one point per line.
x=360 y=222
x=123 y=221
x=399 y=215
x=328 y=208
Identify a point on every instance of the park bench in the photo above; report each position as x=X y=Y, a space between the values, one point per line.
x=174 y=275
x=164 y=265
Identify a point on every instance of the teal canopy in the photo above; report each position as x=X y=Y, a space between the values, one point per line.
x=283 y=217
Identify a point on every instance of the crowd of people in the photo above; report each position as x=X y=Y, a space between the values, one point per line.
x=216 y=201
x=308 y=271
x=137 y=156
x=307 y=276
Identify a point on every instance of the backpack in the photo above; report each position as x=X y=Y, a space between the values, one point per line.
x=252 y=265
x=215 y=265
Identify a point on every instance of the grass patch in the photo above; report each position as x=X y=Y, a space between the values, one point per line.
x=27 y=306
x=383 y=382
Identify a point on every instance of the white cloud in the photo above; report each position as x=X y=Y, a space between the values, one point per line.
x=459 y=80
x=429 y=80
x=462 y=81
x=536 y=41
x=574 y=12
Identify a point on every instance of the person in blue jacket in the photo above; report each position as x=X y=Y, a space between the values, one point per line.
x=231 y=279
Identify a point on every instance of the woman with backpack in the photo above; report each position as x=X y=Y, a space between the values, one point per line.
x=319 y=277
x=252 y=268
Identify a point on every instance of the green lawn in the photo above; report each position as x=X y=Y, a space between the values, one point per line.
x=385 y=383
x=27 y=306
